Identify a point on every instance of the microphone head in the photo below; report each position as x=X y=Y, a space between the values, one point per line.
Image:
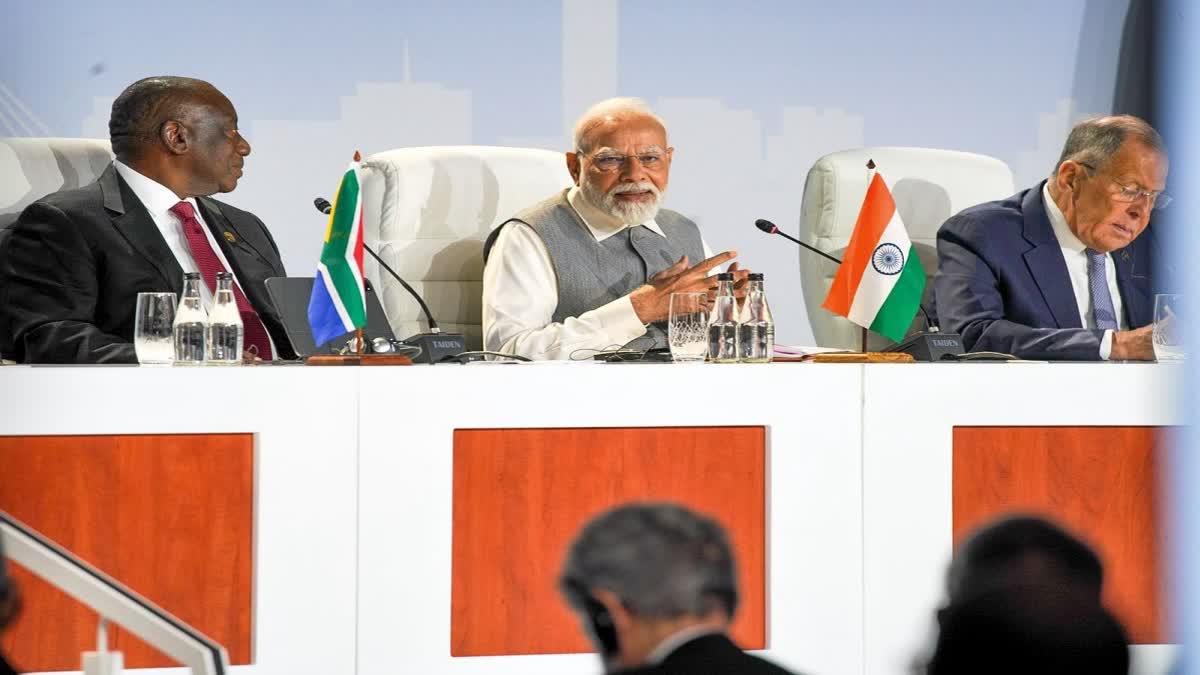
x=766 y=226
x=323 y=205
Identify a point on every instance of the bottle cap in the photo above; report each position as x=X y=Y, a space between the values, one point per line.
x=191 y=276
x=224 y=275
x=755 y=276
x=725 y=276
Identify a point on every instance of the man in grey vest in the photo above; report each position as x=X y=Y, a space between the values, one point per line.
x=593 y=267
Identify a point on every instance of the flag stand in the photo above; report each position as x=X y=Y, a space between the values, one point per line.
x=870 y=175
x=876 y=216
x=358 y=360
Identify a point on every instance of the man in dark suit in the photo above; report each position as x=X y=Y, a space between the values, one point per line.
x=654 y=586
x=1032 y=630
x=1024 y=596
x=74 y=262
x=1063 y=270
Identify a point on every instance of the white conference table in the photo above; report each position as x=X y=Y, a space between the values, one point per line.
x=358 y=581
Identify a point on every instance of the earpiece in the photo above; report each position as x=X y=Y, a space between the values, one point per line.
x=599 y=620
x=602 y=626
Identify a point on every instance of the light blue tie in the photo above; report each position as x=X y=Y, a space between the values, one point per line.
x=1102 y=303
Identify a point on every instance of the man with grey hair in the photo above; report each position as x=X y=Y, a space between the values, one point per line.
x=655 y=587
x=1063 y=270
x=593 y=267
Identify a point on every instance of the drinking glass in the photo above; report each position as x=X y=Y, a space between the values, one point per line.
x=687 y=327
x=153 y=329
x=1167 y=335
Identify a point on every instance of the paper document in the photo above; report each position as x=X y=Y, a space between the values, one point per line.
x=803 y=350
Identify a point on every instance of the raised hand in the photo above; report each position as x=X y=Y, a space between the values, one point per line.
x=652 y=301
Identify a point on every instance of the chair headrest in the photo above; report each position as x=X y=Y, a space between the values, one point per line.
x=928 y=186
x=31 y=168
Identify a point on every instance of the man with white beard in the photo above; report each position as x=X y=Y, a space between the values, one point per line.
x=593 y=267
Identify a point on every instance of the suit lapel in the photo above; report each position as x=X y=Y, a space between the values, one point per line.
x=1045 y=262
x=133 y=221
x=1135 y=287
x=224 y=231
x=240 y=254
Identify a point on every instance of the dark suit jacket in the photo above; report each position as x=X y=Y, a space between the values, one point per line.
x=710 y=655
x=72 y=265
x=1003 y=285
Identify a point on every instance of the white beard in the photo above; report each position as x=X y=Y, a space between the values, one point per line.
x=628 y=213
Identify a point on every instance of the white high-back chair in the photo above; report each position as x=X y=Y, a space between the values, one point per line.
x=928 y=187
x=31 y=168
x=428 y=210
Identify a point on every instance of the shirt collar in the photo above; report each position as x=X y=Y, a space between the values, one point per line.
x=600 y=224
x=677 y=640
x=1062 y=231
x=156 y=197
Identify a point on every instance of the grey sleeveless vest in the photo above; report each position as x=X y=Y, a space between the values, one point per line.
x=591 y=273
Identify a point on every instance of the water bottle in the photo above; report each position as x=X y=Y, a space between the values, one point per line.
x=723 y=322
x=756 y=331
x=225 y=332
x=191 y=324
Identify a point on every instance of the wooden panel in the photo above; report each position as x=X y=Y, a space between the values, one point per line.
x=1101 y=482
x=520 y=495
x=169 y=516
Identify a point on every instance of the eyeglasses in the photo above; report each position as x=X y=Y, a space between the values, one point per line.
x=1128 y=194
x=609 y=162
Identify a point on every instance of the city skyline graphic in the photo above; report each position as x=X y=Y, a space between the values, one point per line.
x=752 y=99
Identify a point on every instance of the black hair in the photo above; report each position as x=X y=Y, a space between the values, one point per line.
x=140 y=111
x=1023 y=549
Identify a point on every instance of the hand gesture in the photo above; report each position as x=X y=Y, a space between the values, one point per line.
x=652 y=301
x=741 y=284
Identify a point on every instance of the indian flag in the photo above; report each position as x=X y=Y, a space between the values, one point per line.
x=880 y=281
x=337 y=305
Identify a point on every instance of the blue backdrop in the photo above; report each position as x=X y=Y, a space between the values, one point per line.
x=753 y=92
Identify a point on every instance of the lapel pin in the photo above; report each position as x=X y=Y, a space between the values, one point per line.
x=230 y=238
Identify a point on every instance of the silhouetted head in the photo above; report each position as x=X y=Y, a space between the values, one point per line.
x=1023 y=550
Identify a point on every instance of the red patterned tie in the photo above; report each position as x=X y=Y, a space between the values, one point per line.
x=255 y=332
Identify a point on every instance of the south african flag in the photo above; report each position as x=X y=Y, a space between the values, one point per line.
x=337 y=305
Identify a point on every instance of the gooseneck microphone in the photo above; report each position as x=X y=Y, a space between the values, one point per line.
x=770 y=228
x=325 y=207
x=435 y=345
x=931 y=345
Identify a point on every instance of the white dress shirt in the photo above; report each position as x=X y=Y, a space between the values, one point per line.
x=520 y=294
x=1075 y=254
x=158 y=200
